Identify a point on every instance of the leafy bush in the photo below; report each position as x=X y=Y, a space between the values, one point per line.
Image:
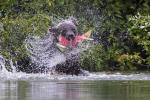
x=139 y=29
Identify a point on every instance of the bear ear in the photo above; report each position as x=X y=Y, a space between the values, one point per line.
x=53 y=29
x=74 y=20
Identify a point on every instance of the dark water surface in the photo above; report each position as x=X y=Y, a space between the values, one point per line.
x=75 y=90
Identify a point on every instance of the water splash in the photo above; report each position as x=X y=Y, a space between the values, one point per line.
x=2 y=64
x=43 y=52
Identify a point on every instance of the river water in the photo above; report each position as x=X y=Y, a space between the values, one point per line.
x=96 y=86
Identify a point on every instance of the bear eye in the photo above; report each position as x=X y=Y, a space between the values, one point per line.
x=63 y=32
x=74 y=30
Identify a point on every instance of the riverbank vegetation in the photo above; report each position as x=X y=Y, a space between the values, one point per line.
x=121 y=29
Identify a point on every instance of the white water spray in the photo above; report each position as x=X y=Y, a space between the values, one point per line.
x=43 y=52
x=2 y=64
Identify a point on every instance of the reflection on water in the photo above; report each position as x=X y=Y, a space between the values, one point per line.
x=74 y=90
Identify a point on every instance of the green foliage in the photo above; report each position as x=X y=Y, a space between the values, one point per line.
x=124 y=51
x=139 y=29
x=92 y=59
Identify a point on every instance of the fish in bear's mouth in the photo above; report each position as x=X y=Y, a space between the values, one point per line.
x=73 y=42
